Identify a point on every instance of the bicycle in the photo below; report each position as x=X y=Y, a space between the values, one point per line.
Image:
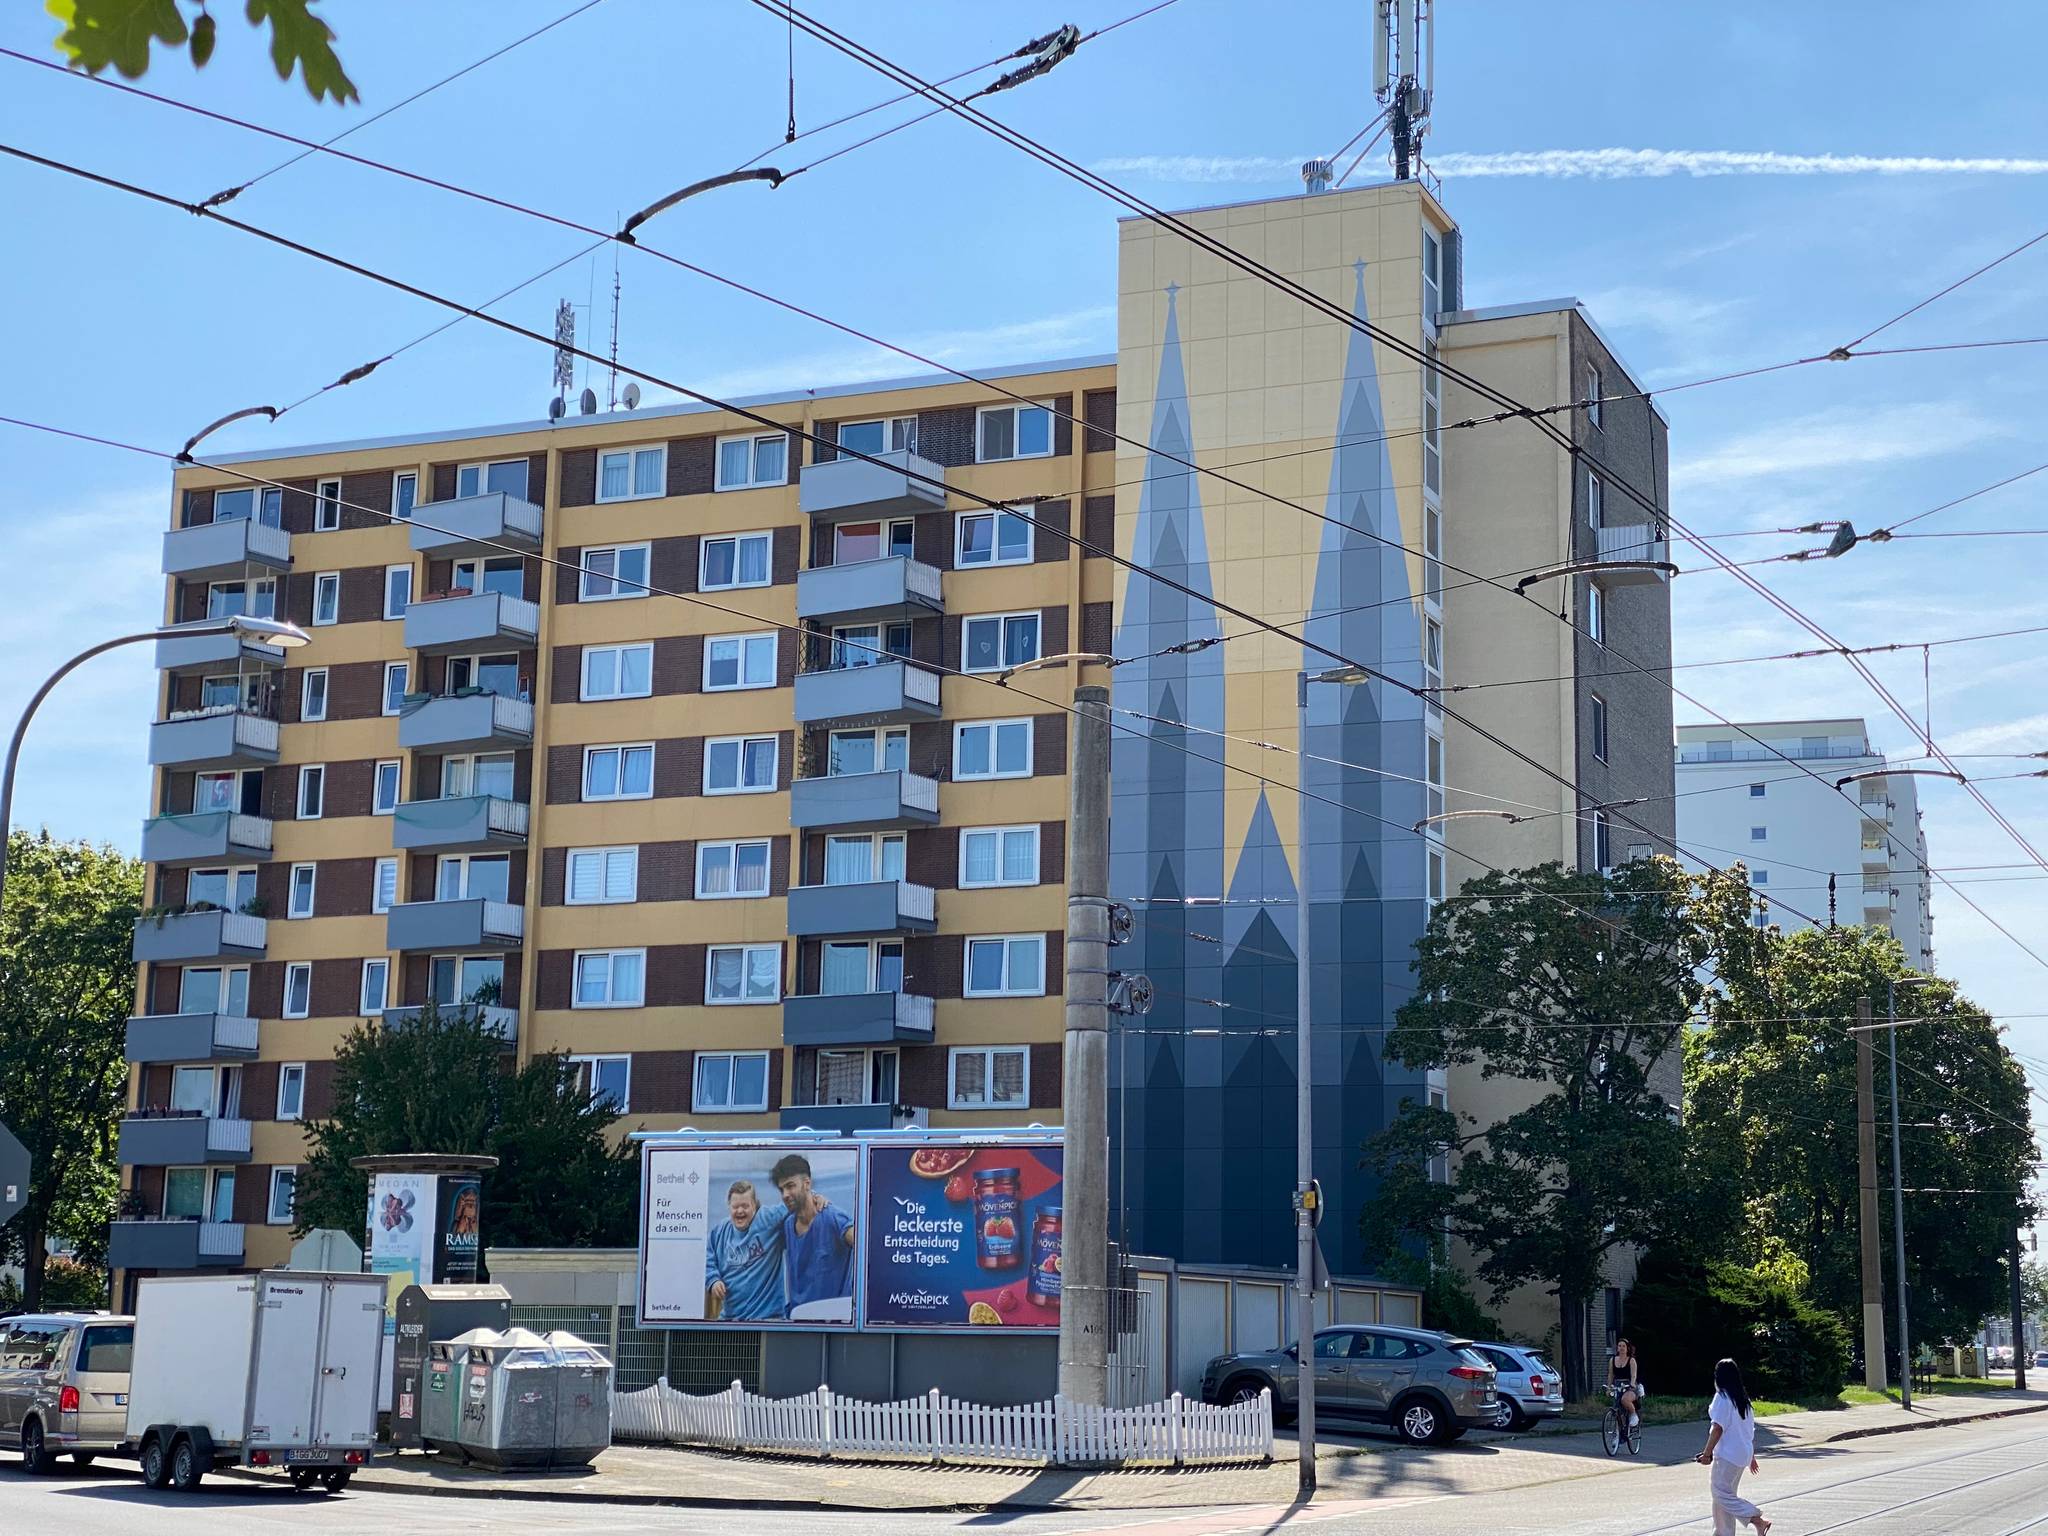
x=1616 y=1431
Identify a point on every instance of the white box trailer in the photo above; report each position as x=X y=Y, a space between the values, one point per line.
x=274 y=1369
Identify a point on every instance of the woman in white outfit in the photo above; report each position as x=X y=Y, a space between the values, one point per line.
x=1731 y=1451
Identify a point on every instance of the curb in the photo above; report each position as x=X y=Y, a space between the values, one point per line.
x=1934 y=1423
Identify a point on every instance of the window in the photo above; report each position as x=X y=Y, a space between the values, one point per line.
x=739 y=661
x=301 y=899
x=875 y=751
x=992 y=749
x=618 y=773
x=473 y=876
x=600 y=876
x=853 y=967
x=1758 y=834
x=229 y=889
x=233 y=599
x=730 y=1082
x=614 y=572
x=743 y=973
x=732 y=869
x=989 y=1077
x=854 y=542
x=1603 y=842
x=405 y=495
x=220 y=791
x=1433 y=771
x=1433 y=664
x=1432 y=422
x=738 y=561
x=998 y=640
x=610 y=978
x=1433 y=554
x=384 y=787
x=460 y=981
x=507 y=475
x=376 y=986
x=759 y=459
x=855 y=1077
x=1596 y=500
x=384 y=886
x=625 y=474
x=1756 y=791
x=605 y=1079
x=739 y=765
x=326 y=506
x=327 y=597
x=503 y=574
x=396 y=676
x=1813 y=746
x=229 y=692
x=497 y=674
x=298 y=989
x=397 y=590
x=891 y=435
x=868 y=645
x=1596 y=613
x=858 y=858
x=1008 y=966
x=1440 y=1173
x=991 y=538
x=1759 y=877
x=1432 y=276
x=291 y=1090
x=214 y=989
x=1599 y=727
x=1436 y=876
x=1593 y=394
x=238 y=505
x=312 y=791
x=313 y=694
x=1012 y=432
x=998 y=856
x=618 y=671
x=284 y=1186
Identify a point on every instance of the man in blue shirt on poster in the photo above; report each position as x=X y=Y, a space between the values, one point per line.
x=743 y=1260
x=818 y=1246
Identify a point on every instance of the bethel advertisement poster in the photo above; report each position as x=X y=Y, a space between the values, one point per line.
x=963 y=1236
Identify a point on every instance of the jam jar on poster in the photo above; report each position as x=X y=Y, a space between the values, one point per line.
x=964 y=1235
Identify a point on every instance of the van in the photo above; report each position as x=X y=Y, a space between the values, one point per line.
x=64 y=1386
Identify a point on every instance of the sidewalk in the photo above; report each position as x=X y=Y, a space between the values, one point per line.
x=1353 y=1465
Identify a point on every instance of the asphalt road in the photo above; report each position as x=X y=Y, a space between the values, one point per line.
x=1988 y=1480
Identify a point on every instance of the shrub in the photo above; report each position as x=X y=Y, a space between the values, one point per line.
x=1684 y=1316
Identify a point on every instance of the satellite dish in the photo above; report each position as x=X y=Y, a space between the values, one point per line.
x=588 y=403
x=631 y=395
x=557 y=408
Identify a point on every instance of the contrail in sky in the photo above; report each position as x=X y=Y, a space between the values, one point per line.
x=1588 y=164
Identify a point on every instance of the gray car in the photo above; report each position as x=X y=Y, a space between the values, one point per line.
x=1526 y=1386
x=1429 y=1387
x=64 y=1385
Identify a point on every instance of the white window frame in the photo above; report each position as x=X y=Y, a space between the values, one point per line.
x=618 y=655
x=632 y=454
x=610 y=1000
x=252 y=587
x=390 y=572
x=399 y=510
x=1432 y=422
x=379 y=966
x=270 y=1216
x=753 y=480
x=326 y=501
x=1594 y=391
x=297 y=968
x=464 y=864
x=899 y=433
x=312 y=872
x=960 y=729
x=732 y=846
x=704 y=582
x=620 y=590
x=1598 y=727
x=745 y=643
x=989 y=1054
x=995 y=547
x=621 y=748
x=1603 y=842
x=327 y=582
x=483 y=476
x=307 y=713
x=379 y=806
x=1000 y=834
x=1432 y=276
x=1011 y=410
x=745 y=952
x=318 y=772
x=223 y=989
x=1433 y=777
x=741 y=743
x=1002 y=623
x=621 y=1104
x=1006 y=940
x=732 y=1058
x=1435 y=892
x=403 y=670
x=1596 y=613
x=604 y=856
x=377 y=906
x=298 y=1110
x=1433 y=555
x=1596 y=500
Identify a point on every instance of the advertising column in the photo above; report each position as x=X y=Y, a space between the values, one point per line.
x=964 y=1236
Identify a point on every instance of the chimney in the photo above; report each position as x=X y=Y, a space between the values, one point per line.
x=1315 y=175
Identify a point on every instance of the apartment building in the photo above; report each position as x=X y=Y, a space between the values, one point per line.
x=1764 y=793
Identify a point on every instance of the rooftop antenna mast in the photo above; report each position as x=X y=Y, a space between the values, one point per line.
x=612 y=390
x=1404 y=73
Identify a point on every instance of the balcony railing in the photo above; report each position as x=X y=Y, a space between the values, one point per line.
x=856 y=1018
x=891 y=587
x=172 y=1243
x=207 y=934
x=469 y=922
x=872 y=906
x=163 y=1037
x=459 y=822
x=177 y=1138
x=1633 y=541
x=456 y=621
x=500 y=1021
x=203 y=836
x=1775 y=754
x=177 y=652
x=860 y=488
x=893 y=797
x=225 y=548
x=449 y=721
x=225 y=737
x=476 y=525
x=882 y=693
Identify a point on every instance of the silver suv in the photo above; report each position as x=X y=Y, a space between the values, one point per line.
x=64 y=1385
x=1430 y=1387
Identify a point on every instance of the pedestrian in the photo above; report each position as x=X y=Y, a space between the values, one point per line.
x=1731 y=1450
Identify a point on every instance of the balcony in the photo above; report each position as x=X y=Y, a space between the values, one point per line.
x=476 y=525
x=213 y=934
x=219 y=738
x=856 y=1018
x=849 y=1118
x=875 y=906
x=488 y=620
x=212 y=551
x=205 y=837
x=1633 y=541
x=465 y=824
x=887 y=693
x=470 y=923
x=860 y=488
x=893 y=588
x=159 y=1037
x=212 y=653
x=173 y=1139
x=173 y=1242
x=454 y=722
x=850 y=801
x=502 y=1022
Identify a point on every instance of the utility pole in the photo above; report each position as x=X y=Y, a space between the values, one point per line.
x=1899 y=1206
x=1304 y=1101
x=2019 y=1320
x=1866 y=1205
x=1084 y=1292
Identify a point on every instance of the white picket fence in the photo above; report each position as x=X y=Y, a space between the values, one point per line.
x=937 y=1428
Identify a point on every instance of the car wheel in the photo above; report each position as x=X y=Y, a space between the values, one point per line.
x=36 y=1459
x=156 y=1465
x=1244 y=1390
x=301 y=1479
x=334 y=1482
x=1418 y=1421
x=186 y=1468
x=1506 y=1415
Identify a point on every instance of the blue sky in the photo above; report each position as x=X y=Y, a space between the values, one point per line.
x=1810 y=180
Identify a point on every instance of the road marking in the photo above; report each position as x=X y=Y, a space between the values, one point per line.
x=1264 y=1518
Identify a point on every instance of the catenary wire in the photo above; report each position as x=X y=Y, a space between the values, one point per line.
x=1951 y=288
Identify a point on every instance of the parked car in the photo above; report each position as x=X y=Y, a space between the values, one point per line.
x=64 y=1386
x=1526 y=1386
x=2041 y=1360
x=1430 y=1387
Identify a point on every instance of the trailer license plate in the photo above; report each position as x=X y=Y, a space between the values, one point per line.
x=305 y=1456
x=120 y=1399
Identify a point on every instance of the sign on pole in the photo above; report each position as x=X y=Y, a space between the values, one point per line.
x=13 y=1176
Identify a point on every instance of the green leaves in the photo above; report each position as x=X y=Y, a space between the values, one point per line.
x=298 y=37
x=121 y=34
x=98 y=33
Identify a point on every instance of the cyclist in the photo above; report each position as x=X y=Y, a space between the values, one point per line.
x=1625 y=1381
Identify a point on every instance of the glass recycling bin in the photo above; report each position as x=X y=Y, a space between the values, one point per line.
x=517 y=1399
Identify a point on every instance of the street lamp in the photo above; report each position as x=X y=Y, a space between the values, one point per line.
x=278 y=632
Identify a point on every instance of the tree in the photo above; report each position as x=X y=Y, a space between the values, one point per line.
x=123 y=33
x=1577 y=984
x=1771 y=1098
x=67 y=987
x=443 y=1084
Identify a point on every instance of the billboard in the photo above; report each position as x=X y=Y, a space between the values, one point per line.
x=458 y=1211
x=963 y=1235
x=399 y=1243
x=749 y=1234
